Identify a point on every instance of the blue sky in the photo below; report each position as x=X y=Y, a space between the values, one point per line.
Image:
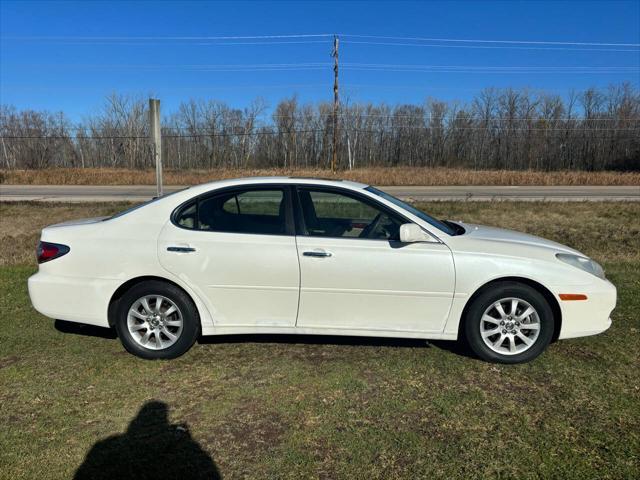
x=69 y=55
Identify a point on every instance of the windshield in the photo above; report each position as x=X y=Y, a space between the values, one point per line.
x=411 y=209
x=140 y=205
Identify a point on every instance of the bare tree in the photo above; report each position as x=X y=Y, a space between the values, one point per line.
x=510 y=129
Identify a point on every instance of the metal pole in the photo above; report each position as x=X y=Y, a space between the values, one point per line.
x=334 y=157
x=154 y=130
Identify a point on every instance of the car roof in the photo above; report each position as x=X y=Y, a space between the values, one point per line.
x=230 y=182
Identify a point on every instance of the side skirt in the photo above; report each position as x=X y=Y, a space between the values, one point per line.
x=208 y=330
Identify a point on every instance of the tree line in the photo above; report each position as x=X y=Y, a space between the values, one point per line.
x=498 y=129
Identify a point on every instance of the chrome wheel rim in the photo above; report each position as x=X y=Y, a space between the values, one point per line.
x=154 y=322
x=510 y=326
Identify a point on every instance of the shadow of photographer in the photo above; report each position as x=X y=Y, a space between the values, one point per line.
x=150 y=448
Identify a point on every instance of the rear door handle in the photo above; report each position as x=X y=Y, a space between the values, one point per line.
x=316 y=253
x=181 y=249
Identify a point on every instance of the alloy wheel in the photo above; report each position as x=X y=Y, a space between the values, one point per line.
x=154 y=322
x=510 y=326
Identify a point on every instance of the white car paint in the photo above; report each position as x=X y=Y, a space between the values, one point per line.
x=370 y=285
x=244 y=283
x=244 y=280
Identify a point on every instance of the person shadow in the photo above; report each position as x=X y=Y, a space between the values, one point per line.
x=151 y=448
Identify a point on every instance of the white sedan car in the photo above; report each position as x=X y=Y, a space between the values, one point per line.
x=311 y=256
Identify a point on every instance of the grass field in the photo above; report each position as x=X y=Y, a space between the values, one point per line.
x=371 y=176
x=324 y=407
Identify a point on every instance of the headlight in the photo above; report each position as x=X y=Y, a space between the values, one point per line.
x=583 y=263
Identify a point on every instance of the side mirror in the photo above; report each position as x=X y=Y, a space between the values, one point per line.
x=411 y=233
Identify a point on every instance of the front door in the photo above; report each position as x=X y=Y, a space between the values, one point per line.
x=238 y=251
x=356 y=275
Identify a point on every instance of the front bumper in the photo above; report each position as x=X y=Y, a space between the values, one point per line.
x=581 y=318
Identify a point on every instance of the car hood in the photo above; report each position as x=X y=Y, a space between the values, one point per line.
x=482 y=232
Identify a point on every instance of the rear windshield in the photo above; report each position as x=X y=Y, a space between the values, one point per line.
x=411 y=209
x=143 y=204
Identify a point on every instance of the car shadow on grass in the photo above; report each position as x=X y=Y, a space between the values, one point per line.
x=151 y=448
x=457 y=348
x=293 y=339
x=74 y=328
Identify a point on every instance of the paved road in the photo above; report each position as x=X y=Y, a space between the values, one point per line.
x=137 y=193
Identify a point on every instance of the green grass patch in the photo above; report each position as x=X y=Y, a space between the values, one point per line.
x=299 y=407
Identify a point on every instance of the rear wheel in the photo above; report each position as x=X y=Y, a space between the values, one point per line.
x=157 y=320
x=509 y=322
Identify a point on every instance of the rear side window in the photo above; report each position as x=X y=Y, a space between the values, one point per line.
x=187 y=216
x=252 y=211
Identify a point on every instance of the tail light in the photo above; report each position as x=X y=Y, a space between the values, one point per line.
x=48 y=251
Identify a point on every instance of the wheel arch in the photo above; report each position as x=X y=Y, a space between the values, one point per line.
x=122 y=289
x=544 y=291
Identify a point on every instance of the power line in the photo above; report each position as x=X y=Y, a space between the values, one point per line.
x=214 y=43
x=146 y=137
x=161 y=37
x=199 y=43
x=519 y=42
x=193 y=67
x=446 y=120
x=490 y=66
x=180 y=88
x=564 y=69
x=281 y=85
x=394 y=116
x=527 y=69
x=313 y=35
x=491 y=69
x=477 y=89
x=490 y=47
x=449 y=126
x=514 y=72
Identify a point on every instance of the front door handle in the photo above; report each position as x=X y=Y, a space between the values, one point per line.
x=316 y=253
x=181 y=249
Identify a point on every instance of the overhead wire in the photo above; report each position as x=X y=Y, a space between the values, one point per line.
x=317 y=35
x=489 y=47
x=502 y=41
x=317 y=130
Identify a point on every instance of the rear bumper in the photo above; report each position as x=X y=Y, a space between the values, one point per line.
x=74 y=299
x=581 y=318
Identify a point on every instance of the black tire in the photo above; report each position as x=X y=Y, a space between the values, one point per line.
x=503 y=290
x=190 y=320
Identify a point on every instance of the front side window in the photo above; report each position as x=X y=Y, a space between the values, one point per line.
x=411 y=209
x=251 y=211
x=332 y=214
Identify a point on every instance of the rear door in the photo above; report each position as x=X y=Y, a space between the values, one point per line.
x=236 y=248
x=355 y=274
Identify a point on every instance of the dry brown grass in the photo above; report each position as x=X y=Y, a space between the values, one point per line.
x=373 y=176
x=21 y=222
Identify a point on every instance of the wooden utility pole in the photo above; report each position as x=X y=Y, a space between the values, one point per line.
x=336 y=102
x=154 y=131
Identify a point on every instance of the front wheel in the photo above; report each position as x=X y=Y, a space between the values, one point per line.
x=509 y=323
x=157 y=320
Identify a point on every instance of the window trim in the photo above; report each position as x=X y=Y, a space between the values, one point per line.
x=301 y=228
x=236 y=190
